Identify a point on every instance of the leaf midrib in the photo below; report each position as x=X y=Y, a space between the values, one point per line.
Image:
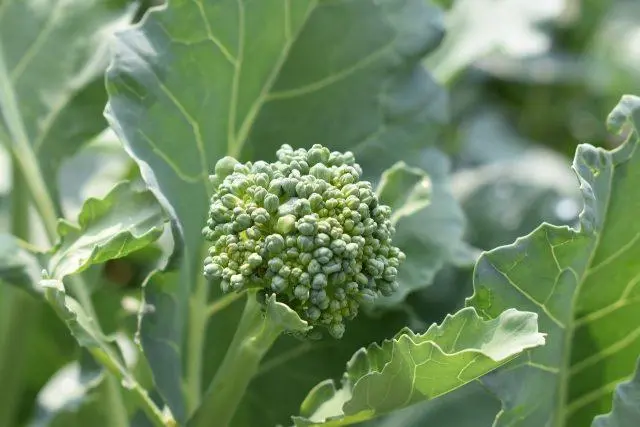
x=236 y=141
x=565 y=367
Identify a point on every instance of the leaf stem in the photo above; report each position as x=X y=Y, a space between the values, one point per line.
x=253 y=338
x=196 y=334
x=109 y=360
x=25 y=158
x=18 y=314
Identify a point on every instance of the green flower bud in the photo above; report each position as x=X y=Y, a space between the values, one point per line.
x=285 y=224
x=323 y=255
x=242 y=222
x=275 y=264
x=301 y=292
x=319 y=281
x=224 y=167
x=316 y=202
x=367 y=296
x=305 y=243
x=237 y=281
x=260 y=216
x=314 y=267
x=313 y=313
x=278 y=284
x=320 y=171
x=307 y=226
x=337 y=330
x=254 y=260
x=274 y=243
x=271 y=203
x=318 y=154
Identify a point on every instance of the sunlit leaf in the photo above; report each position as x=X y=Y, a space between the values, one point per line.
x=127 y=219
x=413 y=368
x=582 y=283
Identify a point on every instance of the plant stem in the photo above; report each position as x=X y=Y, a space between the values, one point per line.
x=18 y=314
x=110 y=361
x=197 y=328
x=253 y=338
x=23 y=154
x=116 y=412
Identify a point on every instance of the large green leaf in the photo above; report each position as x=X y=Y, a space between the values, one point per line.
x=626 y=405
x=582 y=283
x=127 y=219
x=413 y=368
x=161 y=336
x=54 y=55
x=199 y=80
x=429 y=222
x=432 y=236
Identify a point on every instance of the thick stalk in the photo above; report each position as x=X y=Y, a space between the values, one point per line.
x=253 y=338
x=196 y=334
x=18 y=314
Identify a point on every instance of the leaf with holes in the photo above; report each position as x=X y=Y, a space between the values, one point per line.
x=413 y=368
x=53 y=55
x=583 y=283
x=124 y=221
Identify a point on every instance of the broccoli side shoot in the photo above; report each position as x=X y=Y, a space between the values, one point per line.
x=305 y=228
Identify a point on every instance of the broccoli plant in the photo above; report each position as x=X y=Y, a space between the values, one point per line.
x=267 y=253
x=304 y=231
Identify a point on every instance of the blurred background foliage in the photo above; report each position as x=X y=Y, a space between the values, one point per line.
x=527 y=80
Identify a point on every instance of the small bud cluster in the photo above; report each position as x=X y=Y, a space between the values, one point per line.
x=305 y=228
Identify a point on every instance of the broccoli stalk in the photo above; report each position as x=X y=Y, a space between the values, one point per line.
x=309 y=242
x=259 y=327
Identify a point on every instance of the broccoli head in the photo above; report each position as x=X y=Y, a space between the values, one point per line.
x=305 y=228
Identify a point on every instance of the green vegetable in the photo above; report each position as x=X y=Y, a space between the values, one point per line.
x=304 y=232
x=306 y=228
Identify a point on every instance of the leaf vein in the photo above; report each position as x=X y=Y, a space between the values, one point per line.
x=331 y=79
x=223 y=49
x=627 y=246
x=238 y=142
x=182 y=175
x=629 y=339
x=529 y=297
x=36 y=46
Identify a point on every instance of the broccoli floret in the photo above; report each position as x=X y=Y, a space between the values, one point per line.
x=305 y=228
